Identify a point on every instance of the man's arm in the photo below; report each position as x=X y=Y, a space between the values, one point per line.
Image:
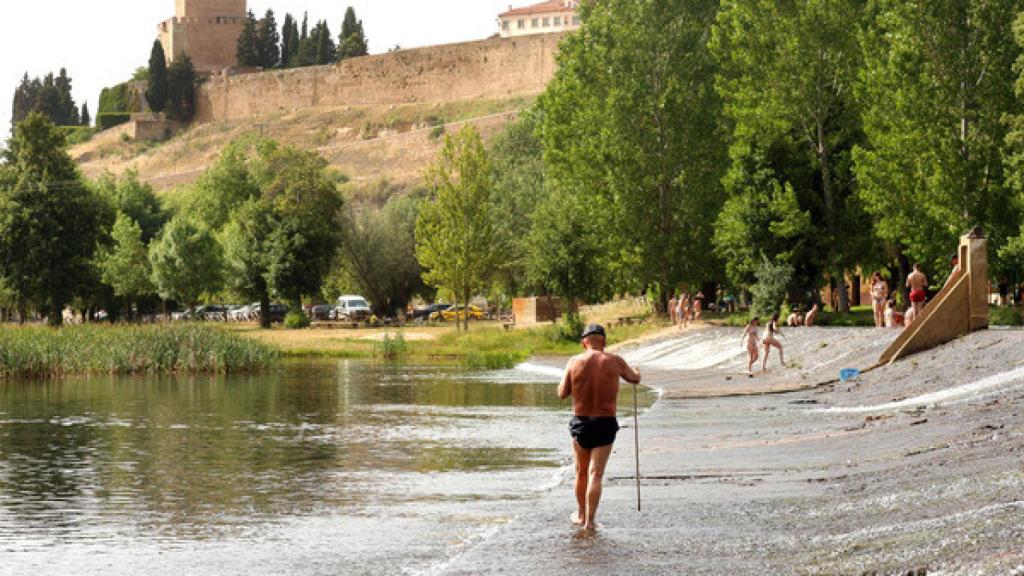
x=629 y=374
x=565 y=386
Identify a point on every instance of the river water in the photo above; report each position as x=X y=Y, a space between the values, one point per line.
x=321 y=467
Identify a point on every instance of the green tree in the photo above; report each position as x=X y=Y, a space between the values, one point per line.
x=289 y=41
x=245 y=240
x=379 y=254
x=157 y=90
x=247 y=51
x=770 y=290
x=787 y=76
x=86 y=118
x=631 y=122
x=456 y=240
x=223 y=187
x=49 y=219
x=267 y=41
x=128 y=196
x=938 y=84
x=186 y=261
x=305 y=239
x=326 y=52
x=181 y=96
x=352 y=42
x=125 y=266
x=566 y=252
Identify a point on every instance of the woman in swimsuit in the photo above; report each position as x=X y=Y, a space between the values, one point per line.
x=769 y=340
x=879 y=294
x=750 y=335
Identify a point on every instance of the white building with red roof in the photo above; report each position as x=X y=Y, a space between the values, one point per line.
x=543 y=18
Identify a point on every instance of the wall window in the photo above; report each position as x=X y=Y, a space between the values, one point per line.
x=558 y=20
x=547 y=21
x=505 y=25
x=521 y=24
x=535 y=23
x=575 y=20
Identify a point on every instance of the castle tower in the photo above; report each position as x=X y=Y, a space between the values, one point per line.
x=206 y=30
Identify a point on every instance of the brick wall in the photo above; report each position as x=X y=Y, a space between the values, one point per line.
x=490 y=69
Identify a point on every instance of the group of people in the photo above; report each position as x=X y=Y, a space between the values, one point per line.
x=798 y=318
x=884 y=307
x=682 y=309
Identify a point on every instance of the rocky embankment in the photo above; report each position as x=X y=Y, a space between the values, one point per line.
x=910 y=468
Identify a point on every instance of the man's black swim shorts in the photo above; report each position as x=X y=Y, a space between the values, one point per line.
x=591 y=433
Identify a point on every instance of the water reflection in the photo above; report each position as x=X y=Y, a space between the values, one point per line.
x=113 y=460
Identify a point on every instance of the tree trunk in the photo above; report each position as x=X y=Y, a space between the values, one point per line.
x=465 y=316
x=56 y=318
x=265 y=310
x=842 y=293
x=825 y=159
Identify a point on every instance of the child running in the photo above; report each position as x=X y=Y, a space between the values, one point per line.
x=769 y=340
x=750 y=335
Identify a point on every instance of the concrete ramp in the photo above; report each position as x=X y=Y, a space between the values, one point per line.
x=959 y=308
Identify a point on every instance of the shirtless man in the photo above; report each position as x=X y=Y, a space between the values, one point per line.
x=918 y=284
x=592 y=379
x=811 y=317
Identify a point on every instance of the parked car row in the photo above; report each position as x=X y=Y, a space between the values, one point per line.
x=447 y=313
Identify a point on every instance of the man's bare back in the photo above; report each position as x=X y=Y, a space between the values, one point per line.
x=917 y=280
x=592 y=379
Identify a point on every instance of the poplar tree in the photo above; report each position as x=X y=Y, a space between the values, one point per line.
x=456 y=237
x=938 y=86
x=787 y=78
x=181 y=84
x=248 y=50
x=267 y=40
x=157 y=90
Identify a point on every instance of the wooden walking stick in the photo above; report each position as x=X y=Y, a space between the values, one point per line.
x=636 y=447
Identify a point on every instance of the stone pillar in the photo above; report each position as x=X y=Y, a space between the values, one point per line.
x=974 y=260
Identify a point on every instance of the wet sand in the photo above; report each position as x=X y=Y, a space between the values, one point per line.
x=911 y=468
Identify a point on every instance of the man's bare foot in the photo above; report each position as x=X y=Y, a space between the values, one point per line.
x=576 y=519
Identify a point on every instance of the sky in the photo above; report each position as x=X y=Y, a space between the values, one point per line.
x=103 y=41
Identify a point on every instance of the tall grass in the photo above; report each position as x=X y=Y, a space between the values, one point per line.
x=36 y=352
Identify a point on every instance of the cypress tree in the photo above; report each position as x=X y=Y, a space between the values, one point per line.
x=66 y=113
x=157 y=89
x=286 y=40
x=325 y=50
x=86 y=119
x=181 y=101
x=267 y=40
x=248 y=52
x=353 y=38
x=293 y=44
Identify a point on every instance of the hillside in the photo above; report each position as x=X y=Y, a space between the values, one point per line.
x=370 y=144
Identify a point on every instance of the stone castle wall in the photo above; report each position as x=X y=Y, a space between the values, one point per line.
x=206 y=8
x=487 y=69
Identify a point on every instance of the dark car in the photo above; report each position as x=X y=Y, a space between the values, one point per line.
x=425 y=312
x=277 y=312
x=321 y=312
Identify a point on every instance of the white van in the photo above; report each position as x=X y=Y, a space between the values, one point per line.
x=352 y=308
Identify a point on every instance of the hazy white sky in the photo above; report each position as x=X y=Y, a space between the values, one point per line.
x=101 y=42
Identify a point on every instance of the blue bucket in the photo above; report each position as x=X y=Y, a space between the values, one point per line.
x=848 y=374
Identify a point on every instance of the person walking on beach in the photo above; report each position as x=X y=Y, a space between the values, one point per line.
x=918 y=284
x=751 y=337
x=698 y=306
x=770 y=340
x=879 y=294
x=811 y=317
x=672 y=309
x=592 y=379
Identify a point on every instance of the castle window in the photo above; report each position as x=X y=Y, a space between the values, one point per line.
x=505 y=25
x=535 y=23
x=575 y=20
x=547 y=21
x=521 y=24
x=558 y=20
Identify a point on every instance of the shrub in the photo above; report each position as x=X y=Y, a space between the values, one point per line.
x=296 y=321
x=437 y=132
x=770 y=290
x=391 y=348
x=1005 y=316
x=114 y=100
x=567 y=331
x=77 y=134
x=105 y=120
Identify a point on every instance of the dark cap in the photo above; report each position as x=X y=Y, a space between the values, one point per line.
x=593 y=330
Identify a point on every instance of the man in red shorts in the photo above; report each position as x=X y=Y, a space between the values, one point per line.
x=592 y=379
x=918 y=284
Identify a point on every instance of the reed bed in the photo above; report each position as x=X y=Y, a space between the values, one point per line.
x=41 y=353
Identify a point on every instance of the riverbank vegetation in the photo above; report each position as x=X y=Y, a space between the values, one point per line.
x=38 y=352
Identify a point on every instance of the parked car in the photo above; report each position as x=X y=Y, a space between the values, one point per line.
x=352 y=308
x=242 y=314
x=320 y=312
x=426 y=312
x=460 y=313
x=277 y=312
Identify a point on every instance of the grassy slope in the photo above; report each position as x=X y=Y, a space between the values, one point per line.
x=369 y=144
